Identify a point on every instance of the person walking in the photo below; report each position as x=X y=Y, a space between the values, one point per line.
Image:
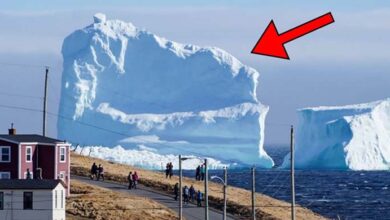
x=167 y=171
x=100 y=171
x=28 y=174
x=192 y=193
x=176 y=190
x=202 y=172
x=93 y=171
x=186 y=194
x=199 y=198
x=130 y=179
x=135 y=179
x=197 y=173
x=170 y=170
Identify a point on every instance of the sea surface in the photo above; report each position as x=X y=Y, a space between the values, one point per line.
x=334 y=194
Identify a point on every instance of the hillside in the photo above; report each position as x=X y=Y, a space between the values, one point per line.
x=92 y=202
x=239 y=200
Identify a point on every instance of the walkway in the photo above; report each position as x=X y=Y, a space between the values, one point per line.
x=190 y=211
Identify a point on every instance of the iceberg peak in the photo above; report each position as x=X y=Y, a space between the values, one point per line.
x=99 y=18
x=130 y=82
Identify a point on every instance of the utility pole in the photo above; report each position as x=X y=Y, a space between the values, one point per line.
x=253 y=193
x=206 y=188
x=292 y=174
x=224 y=193
x=180 y=190
x=44 y=103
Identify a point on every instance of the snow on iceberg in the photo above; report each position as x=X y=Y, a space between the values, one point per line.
x=355 y=137
x=121 y=84
x=145 y=157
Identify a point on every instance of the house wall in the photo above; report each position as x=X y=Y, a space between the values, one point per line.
x=59 y=212
x=43 y=205
x=46 y=161
x=24 y=165
x=11 y=167
x=63 y=167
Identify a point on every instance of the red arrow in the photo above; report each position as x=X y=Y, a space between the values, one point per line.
x=271 y=43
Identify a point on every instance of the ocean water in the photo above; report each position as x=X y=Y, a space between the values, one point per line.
x=334 y=194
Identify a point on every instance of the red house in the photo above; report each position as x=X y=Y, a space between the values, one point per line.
x=42 y=157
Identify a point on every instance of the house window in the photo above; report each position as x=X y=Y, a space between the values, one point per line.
x=5 y=175
x=1 y=200
x=28 y=153
x=5 y=154
x=55 y=199
x=62 y=175
x=62 y=199
x=62 y=154
x=27 y=200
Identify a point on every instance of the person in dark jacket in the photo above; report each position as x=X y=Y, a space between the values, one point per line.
x=93 y=171
x=199 y=198
x=170 y=170
x=176 y=190
x=28 y=174
x=197 y=173
x=167 y=171
x=192 y=193
x=130 y=179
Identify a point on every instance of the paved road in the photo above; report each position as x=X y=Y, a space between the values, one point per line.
x=190 y=211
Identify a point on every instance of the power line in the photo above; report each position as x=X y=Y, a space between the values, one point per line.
x=20 y=108
x=20 y=95
x=26 y=65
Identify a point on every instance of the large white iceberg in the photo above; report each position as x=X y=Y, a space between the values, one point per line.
x=123 y=85
x=355 y=137
x=145 y=157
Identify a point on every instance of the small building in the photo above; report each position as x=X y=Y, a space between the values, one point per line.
x=24 y=156
x=32 y=199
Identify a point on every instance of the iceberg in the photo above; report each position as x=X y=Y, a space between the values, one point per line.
x=146 y=157
x=354 y=137
x=122 y=85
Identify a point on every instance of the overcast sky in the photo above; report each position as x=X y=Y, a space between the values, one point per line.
x=344 y=63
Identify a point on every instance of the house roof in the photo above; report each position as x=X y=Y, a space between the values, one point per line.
x=23 y=138
x=29 y=183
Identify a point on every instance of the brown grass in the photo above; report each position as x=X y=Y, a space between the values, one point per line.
x=92 y=202
x=239 y=200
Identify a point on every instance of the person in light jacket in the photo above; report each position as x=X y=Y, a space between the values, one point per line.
x=130 y=179
x=135 y=179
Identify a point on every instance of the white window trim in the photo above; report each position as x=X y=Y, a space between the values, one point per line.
x=55 y=199
x=63 y=175
x=9 y=150
x=62 y=199
x=9 y=174
x=63 y=161
x=29 y=147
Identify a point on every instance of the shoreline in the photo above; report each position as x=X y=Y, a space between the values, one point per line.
x=238 y=198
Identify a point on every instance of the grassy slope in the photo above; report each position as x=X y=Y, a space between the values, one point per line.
x=92 y=202
x=239 y=200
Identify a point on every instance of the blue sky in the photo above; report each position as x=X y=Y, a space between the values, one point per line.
x=344 y=63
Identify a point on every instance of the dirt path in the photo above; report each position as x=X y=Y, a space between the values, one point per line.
x=190 y=211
